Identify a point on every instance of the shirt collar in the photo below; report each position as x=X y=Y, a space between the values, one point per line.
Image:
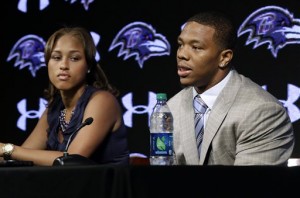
x=210 y=95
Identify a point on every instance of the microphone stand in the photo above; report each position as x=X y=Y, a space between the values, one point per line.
x=74 y=159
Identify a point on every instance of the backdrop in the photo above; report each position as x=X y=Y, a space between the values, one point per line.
x=268 y=52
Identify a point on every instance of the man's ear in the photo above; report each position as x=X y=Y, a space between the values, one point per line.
x=226 y=57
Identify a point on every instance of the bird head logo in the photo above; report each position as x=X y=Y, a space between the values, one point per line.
x=141 y=41
x=28 y=52
x=273 y=26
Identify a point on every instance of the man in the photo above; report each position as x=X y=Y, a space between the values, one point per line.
x=243 y=123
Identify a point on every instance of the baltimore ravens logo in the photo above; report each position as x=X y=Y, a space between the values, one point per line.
x=29 y=52
x=140 y=40
x=271 y=25
x=85 y=3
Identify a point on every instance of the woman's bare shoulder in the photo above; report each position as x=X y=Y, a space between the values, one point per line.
x=103 y=98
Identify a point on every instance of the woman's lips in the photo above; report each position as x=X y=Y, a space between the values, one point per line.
x=63 y=76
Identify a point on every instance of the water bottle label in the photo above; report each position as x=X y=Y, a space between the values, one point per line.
x=161 y=144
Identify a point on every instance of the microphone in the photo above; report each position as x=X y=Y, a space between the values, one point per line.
x=87 y=121
x=74 y=159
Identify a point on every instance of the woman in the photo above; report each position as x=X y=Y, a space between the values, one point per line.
x=78 y=89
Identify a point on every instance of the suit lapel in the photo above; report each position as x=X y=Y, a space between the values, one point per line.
x=187 y=125
x=218 y=112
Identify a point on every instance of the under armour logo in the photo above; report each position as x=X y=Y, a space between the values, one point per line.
x=29 y=114
x=96 y=39
x=138 y=109
x=22 y=5
x=293 y=94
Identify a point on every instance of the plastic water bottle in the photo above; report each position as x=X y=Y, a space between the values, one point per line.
x=161 y=133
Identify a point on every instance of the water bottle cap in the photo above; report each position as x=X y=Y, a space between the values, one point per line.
x=161 y=96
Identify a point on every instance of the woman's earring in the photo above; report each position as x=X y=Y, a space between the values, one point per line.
x=88 y=71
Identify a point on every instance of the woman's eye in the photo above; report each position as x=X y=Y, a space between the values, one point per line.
x=55 y=57
x=74 y=58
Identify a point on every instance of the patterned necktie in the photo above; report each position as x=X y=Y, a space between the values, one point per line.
x=200 y=108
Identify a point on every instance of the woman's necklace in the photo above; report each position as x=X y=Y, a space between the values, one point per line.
x=62 y=119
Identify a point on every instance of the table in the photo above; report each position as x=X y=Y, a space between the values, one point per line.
x=139 y=181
